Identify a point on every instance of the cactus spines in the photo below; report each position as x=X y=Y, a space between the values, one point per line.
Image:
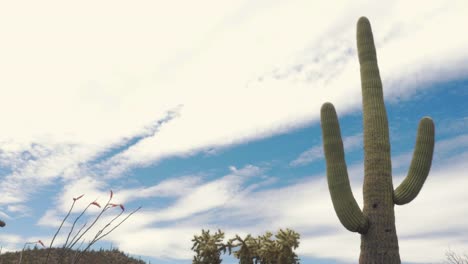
x=376 y=222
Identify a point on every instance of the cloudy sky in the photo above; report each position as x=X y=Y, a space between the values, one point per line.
x=206 y=113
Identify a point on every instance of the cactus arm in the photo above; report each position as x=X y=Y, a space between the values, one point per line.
x=346 y=207
x=420 y=164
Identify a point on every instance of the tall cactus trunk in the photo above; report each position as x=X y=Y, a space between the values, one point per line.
x=376 y=222
x=380 y=243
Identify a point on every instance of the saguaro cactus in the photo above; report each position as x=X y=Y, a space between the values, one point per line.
x=376 y=222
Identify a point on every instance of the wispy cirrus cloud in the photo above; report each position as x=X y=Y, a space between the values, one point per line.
x=38 y=165
x=106 y=95
x=350 y=143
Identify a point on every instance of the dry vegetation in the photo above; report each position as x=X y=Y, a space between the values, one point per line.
x=454 y=258
x=59 y=256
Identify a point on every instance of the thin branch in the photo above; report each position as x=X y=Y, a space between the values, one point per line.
x=99 y=238
x=94 y=222
x=73 y=226
x=60 y=227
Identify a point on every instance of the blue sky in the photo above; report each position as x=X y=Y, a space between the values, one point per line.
x=206 y=115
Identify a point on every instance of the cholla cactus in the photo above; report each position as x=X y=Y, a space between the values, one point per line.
x=208 y=248
x=248 y=250
x=261 y=250
x=376 y=222
x=265 y=250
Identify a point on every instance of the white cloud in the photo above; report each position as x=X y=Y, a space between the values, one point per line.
x=166 y=188
x=241 y=71
x=350 y=143
x=9 y=241
x=332 y=246
x=93 y=82
x=51 y=219
x=37 y=165
x=449 y=126
x=308 y=156
x=160 y=242
x=208 y=196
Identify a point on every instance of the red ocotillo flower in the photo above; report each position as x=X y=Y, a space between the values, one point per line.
x=77 y=198
x=40 y=242
x=115 y=205
x=96 y=204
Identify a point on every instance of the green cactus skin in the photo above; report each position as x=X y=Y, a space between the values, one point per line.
x=343 y=200
x=420 y=164
x=376 y=222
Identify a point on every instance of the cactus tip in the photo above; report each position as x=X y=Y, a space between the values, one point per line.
x=363 y=19
x=427 y=119
x=327 y=105
x=427 y=122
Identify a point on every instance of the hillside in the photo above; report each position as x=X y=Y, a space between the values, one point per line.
x=37 y=256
